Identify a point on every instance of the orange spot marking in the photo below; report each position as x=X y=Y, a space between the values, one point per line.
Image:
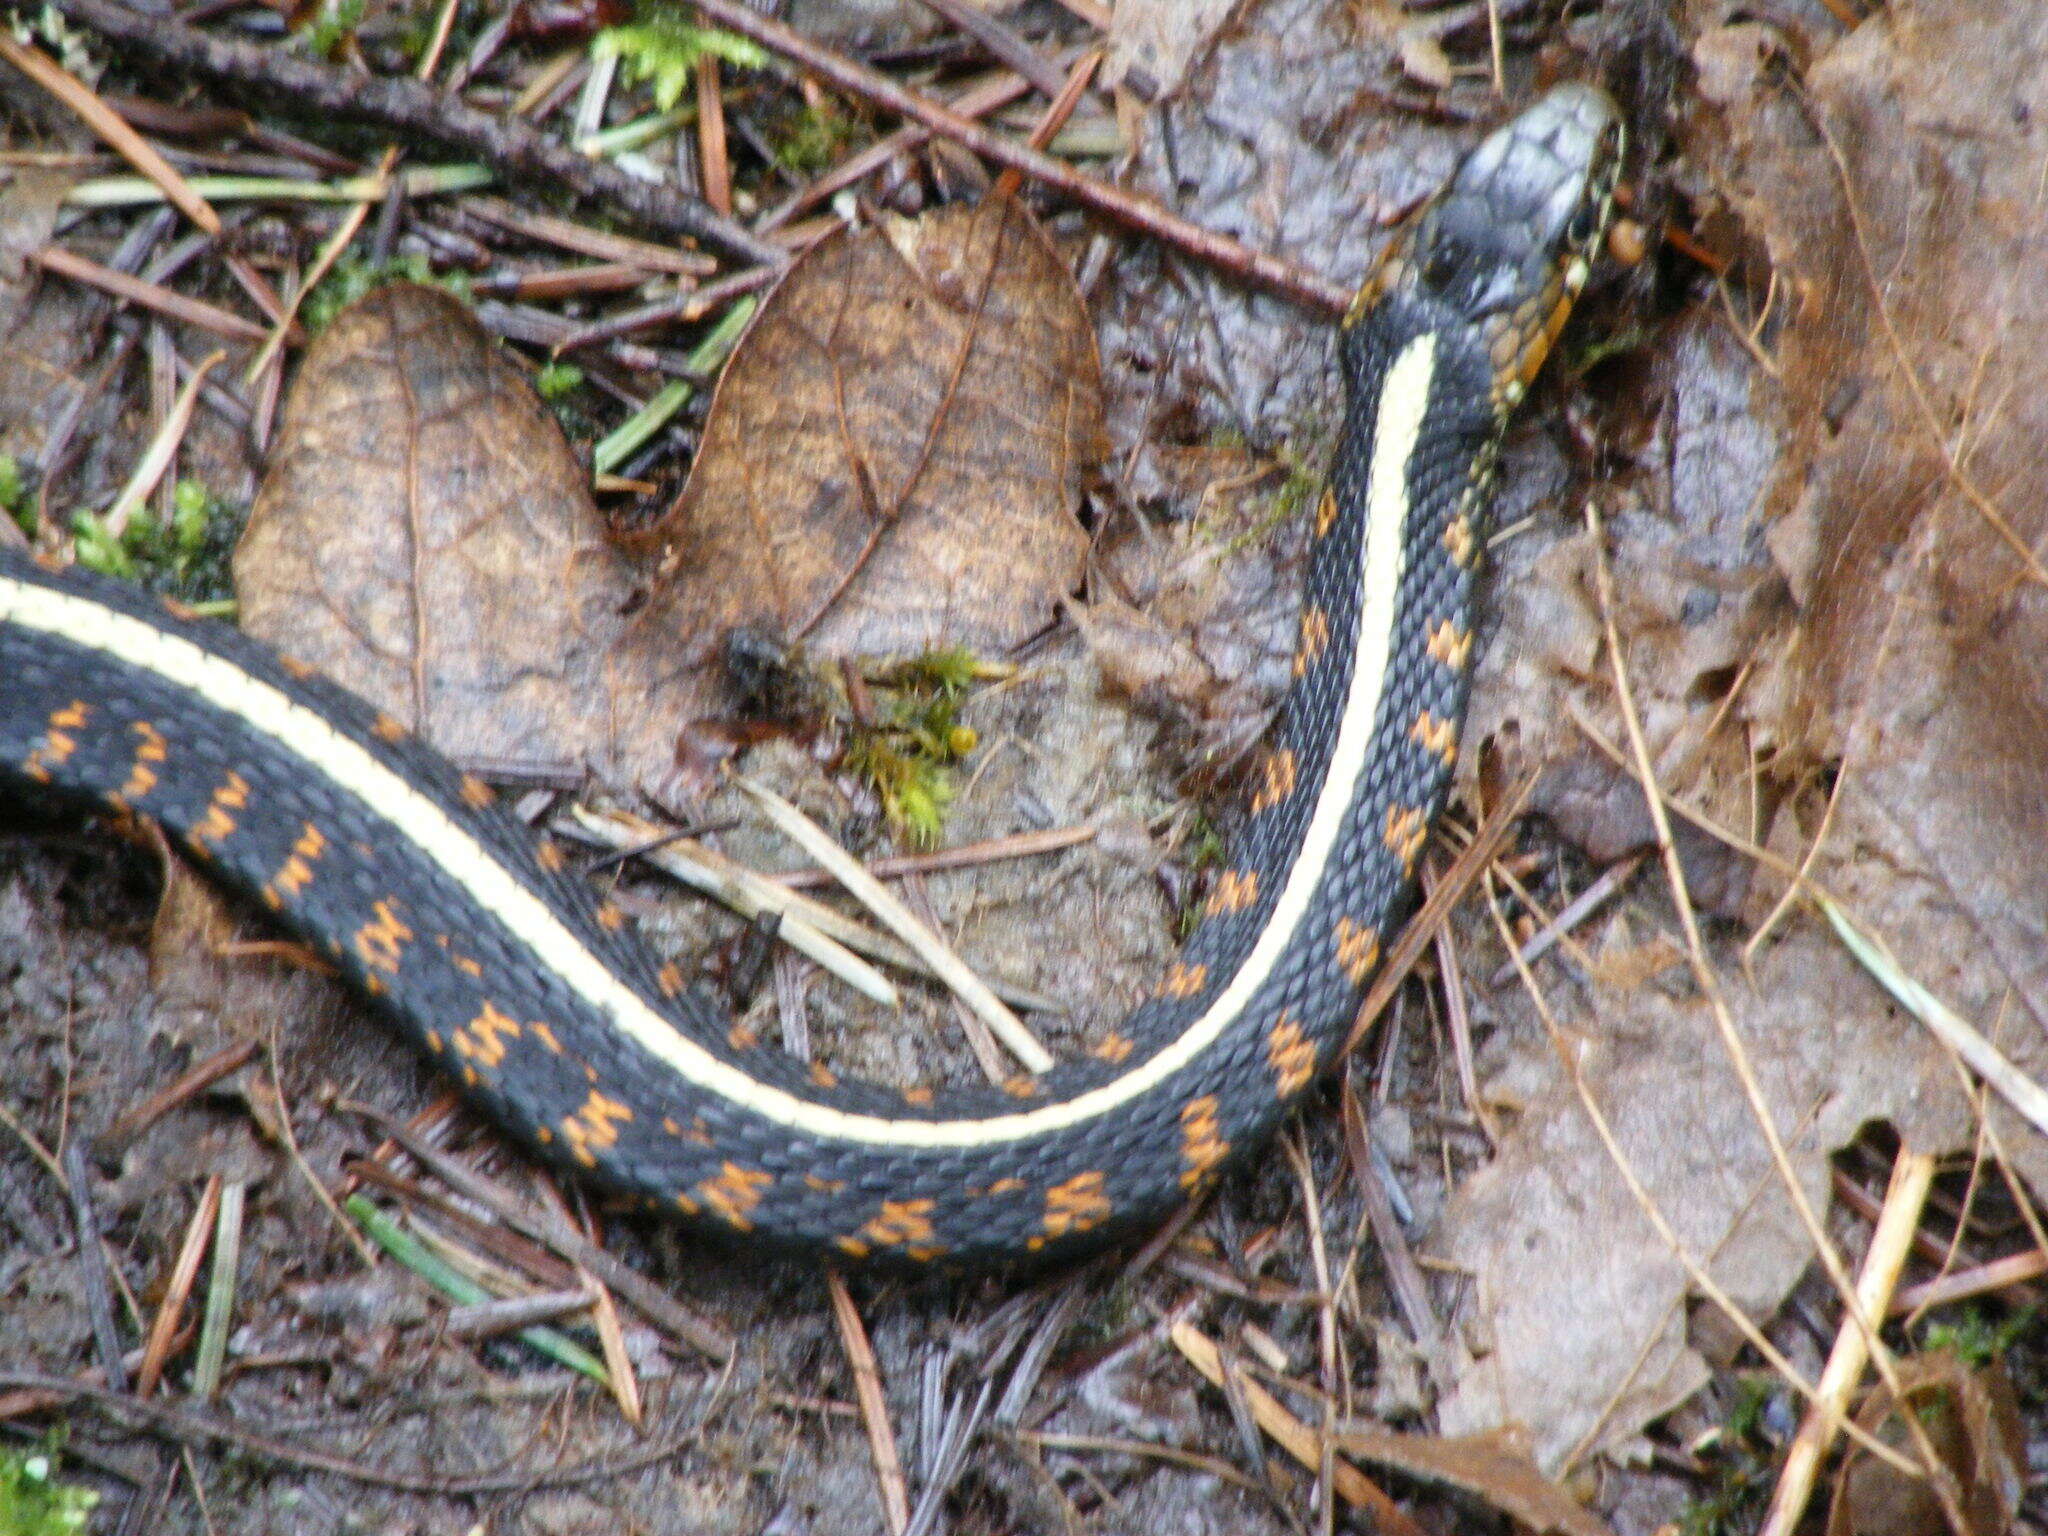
x=1326 y=512
x=483 y=1037
x=1022 y=1086
x=434 y=1041
x=1202 y=1148
x=546 y=1037
x=595 y=1125
x=1004 y=1187
x=382 y=941
x=1434 y=735
x=1074 y=1206
x=823 y=1186
x=467 y=966
x=1405 y=834
x=219 y=822
x=611 y=916
x=734 y=1194
x=296 y=668
x=852 y=1246
x=1112 y=1048
x=1315 y=639
x=903 y=1224
x=1183 y=980
x=1450 y=645
x=1292 y=1056
x=917 y=1095
x=741 y=1038
x=1235 y=890
x=670 y=977
x=549 y=852
x=1459 y=539
x=149 y=750
x=823 y=1075
x=296 y=873
x=387 y=728
x=1276 y=780
x=687 y=1204
x=1358 y=950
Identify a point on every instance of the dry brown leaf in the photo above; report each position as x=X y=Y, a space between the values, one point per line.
x=1878 y=620
x=896 y=452
x=425 y=536
x=1972 y=1419
x=1489 y=1466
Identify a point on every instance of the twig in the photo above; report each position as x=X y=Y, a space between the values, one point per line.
x=81 y=269
x=196 y=1081
x=109 y=125
x=1404 y=1275
x=874 y=1406
x=1912 y=1178
x=1996 y=1275
x=947 y=966
x=1003 y=45
x=200 y=1429
x=1127 y=208
x=198 y=1233
x=163 y=447
x=1576 y=911
x=1018 y=845
x=603 y=244
x=1294 y=1437
x=512 y=144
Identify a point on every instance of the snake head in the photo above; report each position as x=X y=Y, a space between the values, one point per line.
x=1502 y=252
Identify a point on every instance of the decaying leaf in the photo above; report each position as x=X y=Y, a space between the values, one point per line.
x=1815 y=595
x=425 y=536
x=895 y=454
x=1971 y=1419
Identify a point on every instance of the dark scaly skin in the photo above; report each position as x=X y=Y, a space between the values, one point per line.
x=1482 y=269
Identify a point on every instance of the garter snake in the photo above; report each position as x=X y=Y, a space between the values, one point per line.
x=472 y=937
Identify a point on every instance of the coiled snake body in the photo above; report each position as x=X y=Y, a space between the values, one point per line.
x=474 y=940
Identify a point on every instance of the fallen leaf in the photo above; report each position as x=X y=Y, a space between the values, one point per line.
x=896 y=453
x=1971 y=1419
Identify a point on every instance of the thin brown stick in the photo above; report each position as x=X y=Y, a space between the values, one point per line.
x=112 y=128
x=194 y=1082
x=1127 y=208
x=1912 y=1178
x=874 y=1406
x=82 y=269
x=713 y=165
x=602 y=244
x=164 y=1327
x=1994 y=1275
x=1002 y=43
x=511 y=145
x=1018 y=845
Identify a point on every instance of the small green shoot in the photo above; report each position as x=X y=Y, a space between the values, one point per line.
x=33 y=1502
x=351 y=277
x=556 y=379
x=185 y=556
x=14 y=498
x=663 y=49
x=329 y=33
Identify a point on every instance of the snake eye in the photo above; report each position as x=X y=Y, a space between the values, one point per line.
x=1584 y=226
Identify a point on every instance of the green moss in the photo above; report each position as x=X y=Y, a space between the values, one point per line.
x=1975 y=1338
x=556 y=379
x=662 y=49
x=815 y=139
x=14 y=499
x=185 y=557
x=33 y=1502
x=908 y=753
x=327 y=35
x=351 y=277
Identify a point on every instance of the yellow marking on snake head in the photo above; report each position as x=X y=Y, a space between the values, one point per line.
x=1434 y=735
x=382 y=940
x=1202 y=1147
x=1315 y=639
x=1406 y=832
x=734 y=1194
x=1358 y=950
x=1450 y=645
x=1292 y=1056
x=1076 y=1205
x=1276 y=779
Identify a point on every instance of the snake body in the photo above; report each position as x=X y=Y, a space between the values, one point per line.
x=472 y=937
